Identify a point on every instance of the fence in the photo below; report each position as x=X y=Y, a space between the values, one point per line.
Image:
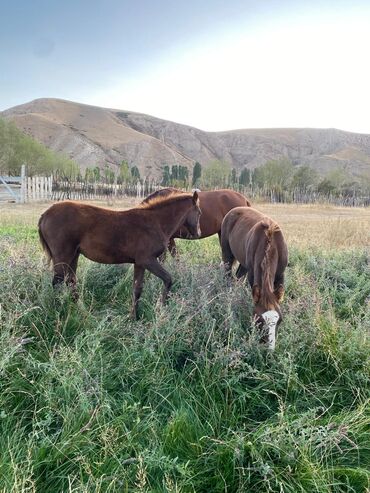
x=82 y=190
x=32 y=189
x=23 y=189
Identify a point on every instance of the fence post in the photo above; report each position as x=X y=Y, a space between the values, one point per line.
x=23 y=184
x=50 y=187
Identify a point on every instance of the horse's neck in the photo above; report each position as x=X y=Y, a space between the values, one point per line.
x=172 y=216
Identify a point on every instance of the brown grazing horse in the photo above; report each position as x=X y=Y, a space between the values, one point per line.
x=258 y=244
x=214 y=204
x=136 y=236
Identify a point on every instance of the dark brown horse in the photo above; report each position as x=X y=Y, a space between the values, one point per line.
x=258 y=244
x=137 y=236
x=214 y=204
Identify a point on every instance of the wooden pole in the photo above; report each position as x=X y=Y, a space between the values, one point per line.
x=23 y=184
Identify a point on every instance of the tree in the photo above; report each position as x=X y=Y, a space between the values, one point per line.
x=96 y=172
x=166 y=176
x=17 y=148
x=233 y=177
x=183 y=176
x=216 y=174
x=197 y=173
x=174 y=173
x=304 y=178
x=244 y=177
x=124 y=174
x=334 y=182
x=135 y=173
x=275 y=175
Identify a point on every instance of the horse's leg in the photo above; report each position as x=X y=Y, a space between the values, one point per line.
x=251 y=278
x=227 y=256
x=156 y=268
x=172 y=247
x=71 y=276
x=65 y=269
x=241 y=271
x=138 y=287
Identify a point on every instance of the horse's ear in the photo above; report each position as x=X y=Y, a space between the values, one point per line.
x=256 y=294
x=195 y=198
x=279 y=293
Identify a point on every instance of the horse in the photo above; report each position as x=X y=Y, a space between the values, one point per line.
x=258 y=244
x=214 y=204
x=137 y=236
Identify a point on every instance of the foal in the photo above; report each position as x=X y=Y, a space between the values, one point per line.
x=137 y=236
x=258 y=244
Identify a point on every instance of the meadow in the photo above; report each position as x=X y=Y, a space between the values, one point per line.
x=186 y=399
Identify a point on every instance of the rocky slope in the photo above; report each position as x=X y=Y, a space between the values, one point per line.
x=93 y=136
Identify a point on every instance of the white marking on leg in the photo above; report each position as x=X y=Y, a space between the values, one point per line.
x=271 y=318
x=272 y=339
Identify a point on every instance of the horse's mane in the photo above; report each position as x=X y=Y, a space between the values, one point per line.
x=162 y=192
x=163 y=200
x=267 y=289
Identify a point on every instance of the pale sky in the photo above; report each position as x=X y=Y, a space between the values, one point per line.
x=209 y=64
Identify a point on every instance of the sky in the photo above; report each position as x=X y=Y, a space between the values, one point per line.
x=215 y=65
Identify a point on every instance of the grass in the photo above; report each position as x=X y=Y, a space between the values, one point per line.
x=185 y=399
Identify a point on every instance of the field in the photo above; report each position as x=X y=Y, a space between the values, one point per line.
x=186 y=399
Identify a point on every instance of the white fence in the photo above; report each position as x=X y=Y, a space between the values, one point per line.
x=37 y=189
x=23 y=189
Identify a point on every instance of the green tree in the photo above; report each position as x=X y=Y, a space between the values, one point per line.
x=244 y=177
x=124 y=174
x=197 y=173
x=234 y=177
x=97 y=174
x=216 y=174
x=135 y=173
x=183 y=176
x=17 y=148
x=89 y=175
x=304 y=178
x=174 y=173
x=275 y=175
x=166 y=176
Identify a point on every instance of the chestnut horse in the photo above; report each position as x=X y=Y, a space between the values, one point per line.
x=137 y=236
x=258 y=244
x=214 y=204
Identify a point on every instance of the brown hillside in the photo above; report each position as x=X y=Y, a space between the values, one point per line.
x=94 y=136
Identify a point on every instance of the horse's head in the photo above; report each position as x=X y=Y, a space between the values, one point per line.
x=191 y=222
x=267 y=314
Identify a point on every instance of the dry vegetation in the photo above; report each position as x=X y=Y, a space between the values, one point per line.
x=304 y=226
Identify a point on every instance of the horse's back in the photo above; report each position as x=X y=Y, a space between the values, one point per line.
x=237 y=226
x=74 y=216
x=223 y=199
x=215 y=204
x=246 y=217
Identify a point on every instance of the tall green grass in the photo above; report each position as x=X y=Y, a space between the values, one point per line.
x=185 y=399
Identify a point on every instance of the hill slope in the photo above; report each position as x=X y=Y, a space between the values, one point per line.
x=93 y=136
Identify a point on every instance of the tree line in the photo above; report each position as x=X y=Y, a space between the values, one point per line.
x=274 y=177
x=17 y=148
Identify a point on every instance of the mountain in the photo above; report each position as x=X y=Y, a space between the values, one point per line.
x=93 y=136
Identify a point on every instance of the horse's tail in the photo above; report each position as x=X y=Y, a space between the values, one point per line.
x=247 y=203
x=45 y=246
